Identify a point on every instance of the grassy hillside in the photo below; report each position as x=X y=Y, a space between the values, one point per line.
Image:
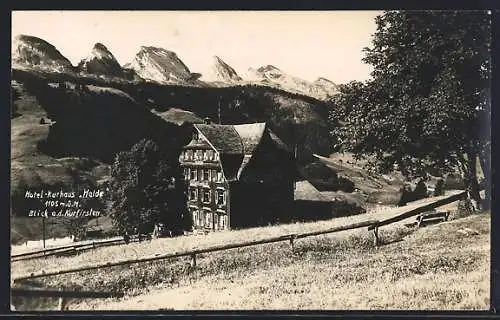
x=416 y=268
x=419 y=273
x=375 y=188
x=235 y=104
x=63 y=137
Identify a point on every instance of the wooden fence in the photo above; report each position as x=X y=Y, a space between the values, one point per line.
x=193 y=253
x=372 y=225
x=408 y=214
x=69 y=249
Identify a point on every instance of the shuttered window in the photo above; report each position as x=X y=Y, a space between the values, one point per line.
x=222 y=221
x=206 y=195
x=193 y=193
x=221 y=196
x=195 y=218
x=206 y=174
x=208 y=219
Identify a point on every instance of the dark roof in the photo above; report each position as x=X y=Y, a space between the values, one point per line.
x=236 y=144
x=223 y=138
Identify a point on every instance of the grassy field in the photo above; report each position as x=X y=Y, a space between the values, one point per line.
x=420 y=272
x=337 y=271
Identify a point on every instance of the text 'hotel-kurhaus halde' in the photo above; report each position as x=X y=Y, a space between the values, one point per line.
x=237 y=176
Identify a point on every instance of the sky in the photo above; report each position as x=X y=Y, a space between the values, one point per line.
x=306 y=44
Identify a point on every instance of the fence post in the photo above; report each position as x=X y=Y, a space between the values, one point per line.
x=292 y=239
x=62 y=303
x=193 y=260
x=375 y=237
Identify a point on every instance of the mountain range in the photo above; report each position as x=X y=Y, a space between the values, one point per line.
x=159 y=65
x=68 y=122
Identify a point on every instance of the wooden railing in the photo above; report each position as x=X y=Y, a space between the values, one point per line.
x=65 y=249
x=371 y=224
x=408 y=214
x=70 y=248
x=193 y=253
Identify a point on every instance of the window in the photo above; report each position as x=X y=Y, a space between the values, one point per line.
x=206 y=174
x=222 y=221
x=201 y=219
x=214 y=175
x=216 y=156
x=186 y=173
x=199 y=155
x=208 y=218
x=196 y=221
x=206 y=195
x=219 y=175
x=200 y=174
x=210 y=155
x=221 y=196
x=193 y=193
x=193 y=174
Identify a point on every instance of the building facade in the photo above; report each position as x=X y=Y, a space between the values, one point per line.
x=236 y=176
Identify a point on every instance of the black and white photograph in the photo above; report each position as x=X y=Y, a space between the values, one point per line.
x=250 y=160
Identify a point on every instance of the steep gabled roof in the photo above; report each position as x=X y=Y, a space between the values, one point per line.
x=250 y=135
x=232 y=141
x=223 y=138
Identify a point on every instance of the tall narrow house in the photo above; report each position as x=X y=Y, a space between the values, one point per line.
x=237 y=176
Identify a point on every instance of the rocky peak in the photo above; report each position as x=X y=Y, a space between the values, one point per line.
x=326 y=85
x=221 y=71
x=101 y=61
x=160 y=65
x=268 y=68
x=33 y=52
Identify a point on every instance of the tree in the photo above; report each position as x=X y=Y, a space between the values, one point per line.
x=427 y=102
x=146 y=187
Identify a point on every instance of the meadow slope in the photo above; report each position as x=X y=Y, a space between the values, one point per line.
x=445 y=266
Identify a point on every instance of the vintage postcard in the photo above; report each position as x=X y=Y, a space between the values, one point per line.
x=250 y=160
